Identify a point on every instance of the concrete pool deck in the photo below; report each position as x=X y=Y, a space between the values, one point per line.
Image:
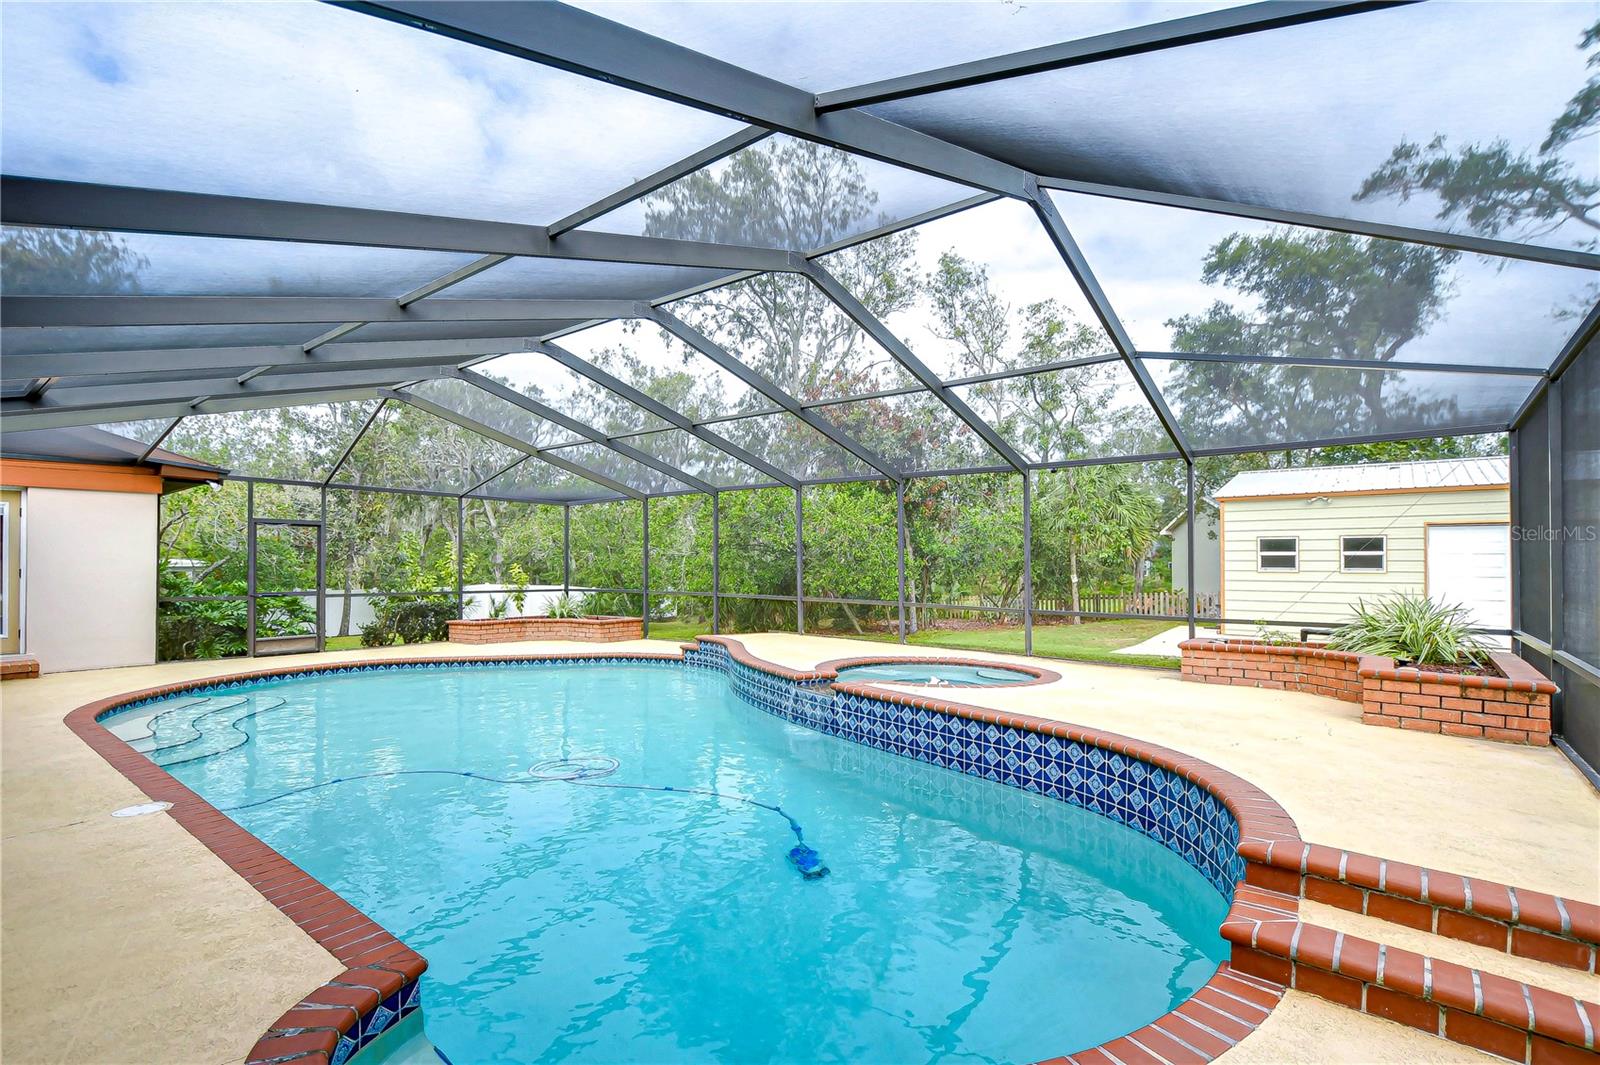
x=122 y=937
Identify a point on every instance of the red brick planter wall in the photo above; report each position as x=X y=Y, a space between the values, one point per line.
x=510 y=630
x=1253 y=664
x=1512 y=709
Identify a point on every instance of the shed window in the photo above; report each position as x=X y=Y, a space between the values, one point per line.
x=1278 y=553
x=1368 y=553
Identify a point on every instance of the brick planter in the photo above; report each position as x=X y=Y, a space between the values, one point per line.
x=1512 y=709
x=1290 y=667
x=510 y=630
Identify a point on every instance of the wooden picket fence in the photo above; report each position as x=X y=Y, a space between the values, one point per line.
x=1171 y=604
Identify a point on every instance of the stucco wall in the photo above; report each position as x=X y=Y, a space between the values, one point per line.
x=1319 y=592
x=91 y=578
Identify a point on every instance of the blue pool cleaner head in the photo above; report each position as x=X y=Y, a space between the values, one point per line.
x=808 y=861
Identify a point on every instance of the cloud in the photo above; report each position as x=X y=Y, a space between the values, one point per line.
x=304 y=101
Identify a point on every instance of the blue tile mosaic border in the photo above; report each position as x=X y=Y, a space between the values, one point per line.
x=384 y=1016
x=1182 y=816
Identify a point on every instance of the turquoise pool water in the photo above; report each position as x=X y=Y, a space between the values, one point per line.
x=961 y=920
x=941 y=674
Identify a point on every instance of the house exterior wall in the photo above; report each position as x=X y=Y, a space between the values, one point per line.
x=1207 y=555
x=90 y=579
x=1319 y=593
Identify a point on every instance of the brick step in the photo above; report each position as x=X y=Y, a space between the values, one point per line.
x=1472 y=1006
x=1530 y=924
x=1579 y=985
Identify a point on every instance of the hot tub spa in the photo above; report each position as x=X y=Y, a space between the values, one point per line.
x=934 y=674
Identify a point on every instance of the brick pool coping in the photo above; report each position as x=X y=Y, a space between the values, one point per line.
x=380 y=981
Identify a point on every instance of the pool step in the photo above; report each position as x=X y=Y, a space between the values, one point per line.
x=1579 y=985
x=1530 y=924
x=1474 y=1006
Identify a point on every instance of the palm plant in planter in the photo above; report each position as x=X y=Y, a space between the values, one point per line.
x=1413 y=630
x=564 y=606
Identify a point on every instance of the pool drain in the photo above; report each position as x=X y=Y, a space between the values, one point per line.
x=591 y=768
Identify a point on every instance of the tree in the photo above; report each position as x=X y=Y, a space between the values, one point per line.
x=1444 y=447
x=797 y=195
x=67 y=262
x=1084 y=511
x=1496 y=188
x=1328 y=295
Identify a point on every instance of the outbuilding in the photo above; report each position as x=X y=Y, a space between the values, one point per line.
x=1300 y=547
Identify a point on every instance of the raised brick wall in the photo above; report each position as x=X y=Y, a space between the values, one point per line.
x=511 y=630
x=1252 y=664
x=1513 y=709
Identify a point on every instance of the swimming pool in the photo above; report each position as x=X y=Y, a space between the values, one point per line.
x=937 y=674
x=605 y=918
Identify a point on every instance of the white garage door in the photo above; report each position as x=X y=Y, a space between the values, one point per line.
x=1471 y=565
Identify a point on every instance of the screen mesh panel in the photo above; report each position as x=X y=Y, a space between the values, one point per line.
x=786 y=329
x=407 y=448
x=1342 y=117
x=916 y=431
x=1580 y=504
x=77 y=262
x=373 y=115
x=1081 y=412
x=976 y=292
x=783 y=192
x=1188 y=281
x=1228 y=405
x=295 y=443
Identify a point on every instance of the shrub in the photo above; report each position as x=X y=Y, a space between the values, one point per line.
x=1412 y=628
x=216 y=627
x=1275 y=637
x=409 y=620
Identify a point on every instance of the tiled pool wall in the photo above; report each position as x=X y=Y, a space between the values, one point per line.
x=369 y=1026
x=1179 y=814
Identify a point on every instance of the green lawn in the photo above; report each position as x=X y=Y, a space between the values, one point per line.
x=1093 y=641
x=673 y=629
